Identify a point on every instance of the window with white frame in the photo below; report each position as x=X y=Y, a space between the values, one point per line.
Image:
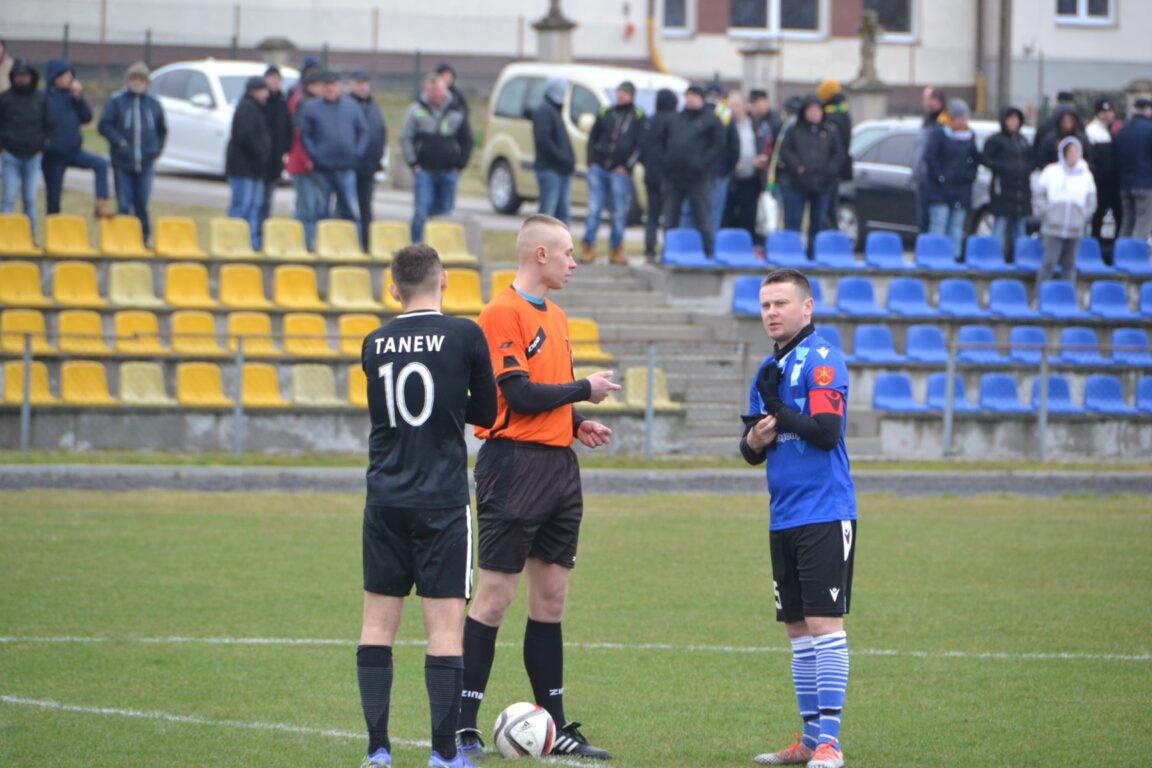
x=895 y=16
x=1086 y=11
x=676 y=16
x=777 y=17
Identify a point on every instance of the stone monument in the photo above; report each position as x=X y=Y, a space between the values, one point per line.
x=760 y=67
x=868 y=94
x=554 y=35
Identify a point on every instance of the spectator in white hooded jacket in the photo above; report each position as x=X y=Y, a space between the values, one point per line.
x=1064 y=198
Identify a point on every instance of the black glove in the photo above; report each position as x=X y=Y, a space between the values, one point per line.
x=768 y=386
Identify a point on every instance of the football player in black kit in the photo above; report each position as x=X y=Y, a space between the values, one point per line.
x=428 y=375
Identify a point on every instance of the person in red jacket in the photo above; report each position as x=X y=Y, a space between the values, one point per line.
x=299 y=165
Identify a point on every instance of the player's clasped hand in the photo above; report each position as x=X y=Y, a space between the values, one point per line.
x=768 y=385
x=602 y=384
x=592 y=433
x=762 y=433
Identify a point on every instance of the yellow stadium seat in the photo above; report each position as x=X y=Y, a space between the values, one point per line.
x=462 y=296
x=230 y=239
x=351 y=288
x=612 y=402
x=499 y=280
x=194 y=334
x=81 y=332
x=284 y=240
x=260 y=387
x=74 y=285
x=447 y=237
x=242 y=287
x=83 y=382
x=38 y=391
x=142 y=384
x=584 y=335
x=636 y=390
x=353 y=329
x=390 y=304
x=256 y=330
x=304 y=335
x=339 y=240
x=176 y=238
x=122 y=237
x=198 y=385
x=67 y=235
x=18 y=324
x=387 y=237
x=357 y=386
x=295 y=288
x=186 y=286
x=130 y=285
x=20 y=285
x=16 y=236
x=138 y=333
x=314 y=385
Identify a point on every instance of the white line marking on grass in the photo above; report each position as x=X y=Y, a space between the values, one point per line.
x=751 y=649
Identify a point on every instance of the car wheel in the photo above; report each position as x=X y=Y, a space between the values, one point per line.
x=502 y=188
x=982 y=222
x=847 y=223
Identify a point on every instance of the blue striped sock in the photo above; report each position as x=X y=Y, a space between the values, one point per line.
x=831 y=681
x=804 y=679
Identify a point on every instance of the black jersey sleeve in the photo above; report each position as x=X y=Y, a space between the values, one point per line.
x=524 y=396
x=481 y=408
x=821 y=430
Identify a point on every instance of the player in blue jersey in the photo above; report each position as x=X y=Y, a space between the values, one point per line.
x=796 y=422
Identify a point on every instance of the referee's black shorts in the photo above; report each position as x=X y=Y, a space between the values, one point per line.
x=528 y=504
x=812 y=569
x=428 y=548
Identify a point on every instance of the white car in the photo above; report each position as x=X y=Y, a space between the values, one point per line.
x=198 y=99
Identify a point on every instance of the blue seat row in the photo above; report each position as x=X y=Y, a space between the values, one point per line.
x=1103 y=394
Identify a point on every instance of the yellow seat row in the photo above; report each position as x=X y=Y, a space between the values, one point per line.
x=635 y=391
x=198 y=385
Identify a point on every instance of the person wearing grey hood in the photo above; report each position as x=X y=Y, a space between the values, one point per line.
x=951 y=161
x=555 y=159
x=1064 y=198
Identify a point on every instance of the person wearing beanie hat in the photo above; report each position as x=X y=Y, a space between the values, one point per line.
x=613 y=149
x=811 y=156
x=26 y=125
x=1133 y=153
x=951 y=161
x=555 y=159
x=70 y=111
x=1099 y=132
x=1008 y=154
x=836 y=112
x=360 y=91
x=247 y=156
x=133 y=123
x=827 y=89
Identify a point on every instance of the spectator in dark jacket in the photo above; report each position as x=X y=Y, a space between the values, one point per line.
x=691 y=144
x=951 y=161
x=133 y=123
x=932 y=101
x=335 y=136
x=70 y=111
x=613 y=148
x=25 y=125
x=837 y=113
x=1104 y=172
x=361 y=89
x=1064 y=101
x=1067 y=124
x=811 y=158
x=437 y=142
x=279 y=122
x=555 y=160
x=1133 y=148
x=653 y=161
x=1009 y=156
x=246 y=161
x=447 y=74
x=715 y=100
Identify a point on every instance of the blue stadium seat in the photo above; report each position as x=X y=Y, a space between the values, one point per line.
x=1025 y=343
x=1059 y=396
x=746 y=295
x=1089 y=259
x=854 y=297
x=998 y=393
x=1109 y=299
x=958 y=298
x=925 y=344
x=1103 y=394
x=885 y=250
x=985 y=254
x=935 y=252
x=977 y=345
x=683 y=247
x=1130 y=256
x=819 y=308
x=1058 y=299
x=734 y=249
x=873 y=344
x=831 y=334
x=1028 y=254
x=937 y=394
x=834 y=251
x=1130 y=347
x=1146 y=299
x=1079 y=346
x=785 y=248
x=906 y=297
x=1008 y=298
x=893 y=392
x=1144 y=394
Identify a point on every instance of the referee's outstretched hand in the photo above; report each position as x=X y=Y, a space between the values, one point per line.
x=768 y=386
x=602 y=384
x=593 y=434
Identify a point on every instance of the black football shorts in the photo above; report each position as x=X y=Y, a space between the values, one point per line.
x=812 y=569
x=431 y=548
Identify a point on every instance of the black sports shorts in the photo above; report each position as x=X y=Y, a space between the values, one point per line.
x=812 y=569
x=431 y=548
x=528 y=504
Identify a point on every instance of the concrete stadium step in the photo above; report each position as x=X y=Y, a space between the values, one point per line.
x=608 y=297
x=653 y=332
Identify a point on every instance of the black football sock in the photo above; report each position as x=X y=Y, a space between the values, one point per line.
x=374 y=673
x=479 y=650
x=444 y=677
x=544 y=661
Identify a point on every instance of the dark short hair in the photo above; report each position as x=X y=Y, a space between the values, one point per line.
x=788 y=275
x=272 y=70
x=757 y=93
x=415 y=268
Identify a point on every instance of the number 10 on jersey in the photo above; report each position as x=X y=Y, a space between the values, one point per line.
x=396 y=399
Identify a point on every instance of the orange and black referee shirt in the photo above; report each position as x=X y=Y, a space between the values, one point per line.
x=524 y=338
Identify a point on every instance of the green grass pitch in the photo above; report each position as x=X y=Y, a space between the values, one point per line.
x=995 y=631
